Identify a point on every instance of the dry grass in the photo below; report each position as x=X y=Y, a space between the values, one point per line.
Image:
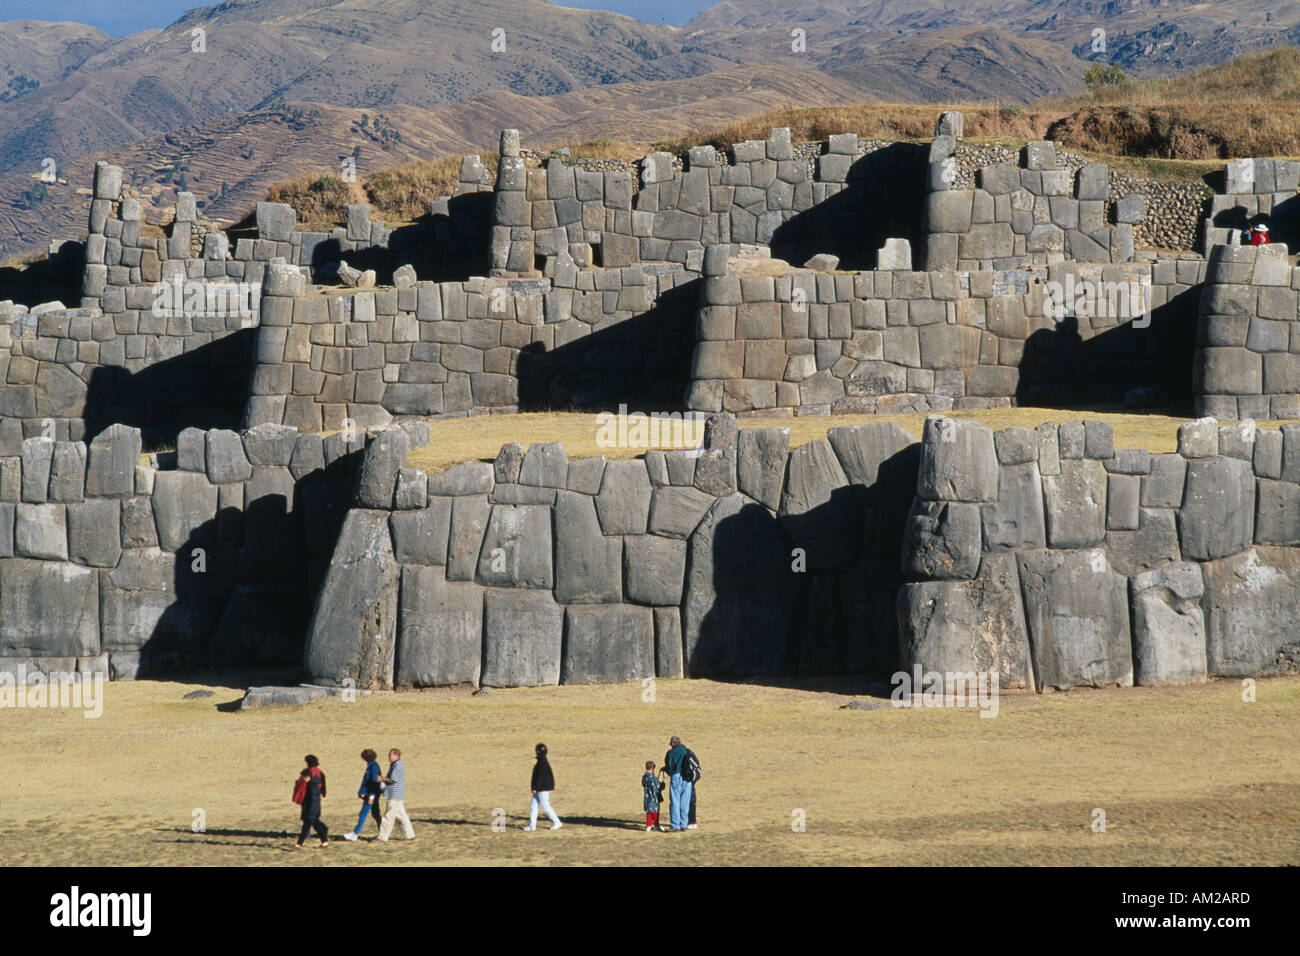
x=475 y=439
x=1189 y=776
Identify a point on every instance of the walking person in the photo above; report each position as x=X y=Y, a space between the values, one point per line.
x=395 y=792
x=654 y=792
x=691 y=773
x=679 y=789
x=369 y=792
x=542 y=785
x=309 y=790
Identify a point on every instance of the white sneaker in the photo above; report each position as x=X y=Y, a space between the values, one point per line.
x=557 y=826
x=530 y=829
x=692 y=826
x=350 y=837
x=648 y=829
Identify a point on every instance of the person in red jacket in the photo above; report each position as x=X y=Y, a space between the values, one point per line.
x=1259 y=235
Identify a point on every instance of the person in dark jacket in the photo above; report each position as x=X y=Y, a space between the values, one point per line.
x=368 y=792
x=542 y=785
x=679 y=788
x=315 y=792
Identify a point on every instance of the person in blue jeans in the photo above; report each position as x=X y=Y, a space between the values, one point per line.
x=369 y=793
x=679 y=789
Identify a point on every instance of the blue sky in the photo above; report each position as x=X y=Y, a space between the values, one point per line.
x=120 y=18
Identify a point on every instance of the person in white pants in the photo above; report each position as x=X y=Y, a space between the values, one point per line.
x=542 y=785
x=395 y=812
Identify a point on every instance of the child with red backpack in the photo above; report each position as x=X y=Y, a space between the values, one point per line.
x=309 y=790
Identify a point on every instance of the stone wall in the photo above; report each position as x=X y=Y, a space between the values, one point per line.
x=455 y=348
x=1255 y=188
x=805 y=342
x=1036 y=213
x=108 y=560
x=1059 y=561
x=743 y=558
x=1248 y=354
x=764 y=192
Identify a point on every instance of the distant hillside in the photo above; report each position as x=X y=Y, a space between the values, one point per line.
x=230 y=162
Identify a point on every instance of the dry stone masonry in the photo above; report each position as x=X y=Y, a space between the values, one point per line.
x=205 y=462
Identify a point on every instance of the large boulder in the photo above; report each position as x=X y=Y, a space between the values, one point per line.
x=960 y=627
x=760 y=463
x=1217 y=517
x=440 y=630
x=654 y=567
x=523 y=636
x=1075 y=504
x=623 y=504
x=880 y=457
x=1250 y=612
x=942 y=541
x=353 y=633
x=184 y=508
x=608 y=643
x=384 y=457
x=1016 y=521
x=50 y=609
x=1076 y=607
x=588 y=565
x=420 y=537
x=741 y=592
x=819 y=510
x=958 y=461
x=1168 y=625
x=516 y=548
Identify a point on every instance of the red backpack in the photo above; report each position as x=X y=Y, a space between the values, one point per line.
x=300 y=790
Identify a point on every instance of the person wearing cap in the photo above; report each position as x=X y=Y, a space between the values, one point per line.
x=1259 y=235
x=679 y=789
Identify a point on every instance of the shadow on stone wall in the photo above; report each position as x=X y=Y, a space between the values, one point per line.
x=46 y=280
x=884 y=199
x=203 y=388
x=838 y=616
x=645 y=358
x=245 y=583
x=1059 y=368
x=448 y=248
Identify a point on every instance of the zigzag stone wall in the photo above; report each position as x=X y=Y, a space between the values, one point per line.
x=109 y=562
x=1059 y=561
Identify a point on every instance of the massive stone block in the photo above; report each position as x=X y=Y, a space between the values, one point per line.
x=959 y=627
x=607 y=644
x=588 y=565
x=741 y=593
x=516 y=549
x=440 y=630
x=353 y=632
x=384 y=457
x=654 y=568
x=958 y=461
x=420 y=537
x=1076 y=607
x=469 y=519
x=183 y=501
x=1218 y=513
x=1250 y=611
x=880 y=457
x=760 y=463
x=623 y=504
x=1168 y=625
x=1016 y=521
x=675 y=511
x=942 y=541
x=523 y=634
x=818 y=508
x=50 y=609
x=1075 y=504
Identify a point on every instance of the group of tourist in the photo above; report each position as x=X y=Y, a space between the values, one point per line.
x=681 y=768
x=309 y=790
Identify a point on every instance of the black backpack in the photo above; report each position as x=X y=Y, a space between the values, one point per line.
x=691 y=767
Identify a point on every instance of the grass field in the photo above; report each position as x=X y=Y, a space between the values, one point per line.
x=471 y=439
x=1185 y=776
